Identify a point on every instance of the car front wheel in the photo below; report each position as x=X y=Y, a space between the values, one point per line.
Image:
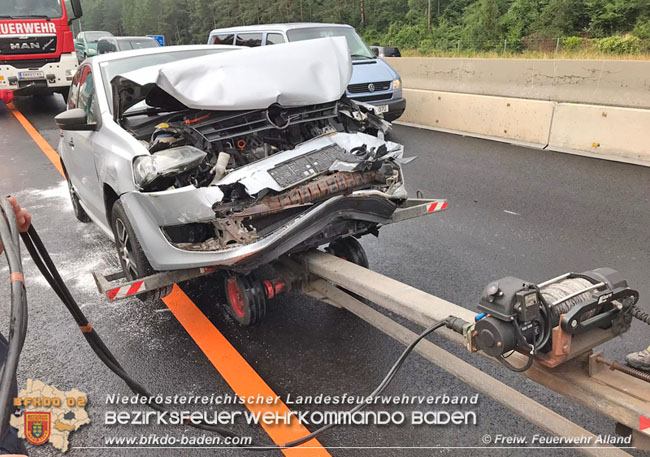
x=132 y=257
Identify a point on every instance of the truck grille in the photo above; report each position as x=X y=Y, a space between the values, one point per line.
x=29 y=63
x=365 y=87
x=27 y=45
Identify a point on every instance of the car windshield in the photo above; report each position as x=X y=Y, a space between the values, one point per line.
x=30 y=8
x=358 y=49
x=116 y=67
x=126 y=45
x=93 y=37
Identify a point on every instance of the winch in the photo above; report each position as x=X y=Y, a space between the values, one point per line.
x=553 y=321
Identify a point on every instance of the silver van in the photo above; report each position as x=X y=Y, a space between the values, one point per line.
x=373 y=80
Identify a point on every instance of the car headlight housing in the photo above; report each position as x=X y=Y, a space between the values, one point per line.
x=397 y=84
x=152 y=172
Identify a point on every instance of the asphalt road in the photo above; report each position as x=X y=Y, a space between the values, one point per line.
x=513 y=211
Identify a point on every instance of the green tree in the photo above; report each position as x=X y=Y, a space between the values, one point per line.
x=609 y=17
x=562 y=18
x=519 y=17
x=481 y=29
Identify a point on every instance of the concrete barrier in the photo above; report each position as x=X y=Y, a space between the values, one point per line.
x=518 y=120
x=621 y=134
x=597 y=82
x=533 y=102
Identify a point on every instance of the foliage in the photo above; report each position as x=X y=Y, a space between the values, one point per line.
x=572 y=43
x=453 y=25
x=620 y=45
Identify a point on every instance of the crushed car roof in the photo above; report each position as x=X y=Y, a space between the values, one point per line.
x=292 y=74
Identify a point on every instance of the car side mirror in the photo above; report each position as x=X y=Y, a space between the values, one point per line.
x=76 y=8
x=74 y=120
x=375 y=51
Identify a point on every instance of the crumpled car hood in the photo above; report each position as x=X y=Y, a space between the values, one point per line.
x=292 y=74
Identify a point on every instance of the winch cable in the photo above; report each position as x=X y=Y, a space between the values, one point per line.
x=41 y=258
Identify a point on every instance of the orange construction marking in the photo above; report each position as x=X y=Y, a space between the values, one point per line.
x=38 y=139
x=241 y=377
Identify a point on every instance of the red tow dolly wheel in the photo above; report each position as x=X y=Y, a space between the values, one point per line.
x=246 y=299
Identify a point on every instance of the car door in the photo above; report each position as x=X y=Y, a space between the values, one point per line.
x=79 y=153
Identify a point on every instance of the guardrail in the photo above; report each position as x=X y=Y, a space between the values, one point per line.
x=588 y=107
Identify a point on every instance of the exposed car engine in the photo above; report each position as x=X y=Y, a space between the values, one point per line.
x=248 y=136
x=208 y=148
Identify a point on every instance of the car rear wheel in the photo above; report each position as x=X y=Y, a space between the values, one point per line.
x=351 y=250
x=132 y=257
x=79 y=212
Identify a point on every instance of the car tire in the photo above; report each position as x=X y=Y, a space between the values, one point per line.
x=79 y=212
x=349 y=249
x=130 y=253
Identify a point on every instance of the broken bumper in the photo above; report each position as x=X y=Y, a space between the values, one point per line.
x=149 y=212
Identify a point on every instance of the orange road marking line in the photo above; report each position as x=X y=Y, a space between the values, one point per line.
x=239 y=375
x=38 y=138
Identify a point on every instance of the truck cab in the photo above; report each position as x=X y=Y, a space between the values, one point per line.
x=373 y=80
x=37 y=54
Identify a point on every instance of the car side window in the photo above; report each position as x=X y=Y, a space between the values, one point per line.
x=87 y=98
x=224 y=38
x=249 y=39
x=274 y=38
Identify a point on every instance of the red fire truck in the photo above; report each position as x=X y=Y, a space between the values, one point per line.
x=37 y=54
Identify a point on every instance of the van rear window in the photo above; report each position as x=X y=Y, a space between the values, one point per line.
x=274 y=38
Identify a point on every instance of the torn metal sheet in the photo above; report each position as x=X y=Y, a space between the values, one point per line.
x=291 y=74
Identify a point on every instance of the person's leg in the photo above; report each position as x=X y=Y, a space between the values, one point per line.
x=639 y=360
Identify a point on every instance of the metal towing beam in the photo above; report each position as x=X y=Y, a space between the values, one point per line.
x=584 y=379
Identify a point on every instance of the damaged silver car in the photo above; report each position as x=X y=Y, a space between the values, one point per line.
x=225 y=157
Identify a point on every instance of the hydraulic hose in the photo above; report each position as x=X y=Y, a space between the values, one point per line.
x=43 y=261
x=640 y=314
x=18 y=313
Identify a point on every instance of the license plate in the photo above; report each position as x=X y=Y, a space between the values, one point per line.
x=381 y=109
x=31 y=75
